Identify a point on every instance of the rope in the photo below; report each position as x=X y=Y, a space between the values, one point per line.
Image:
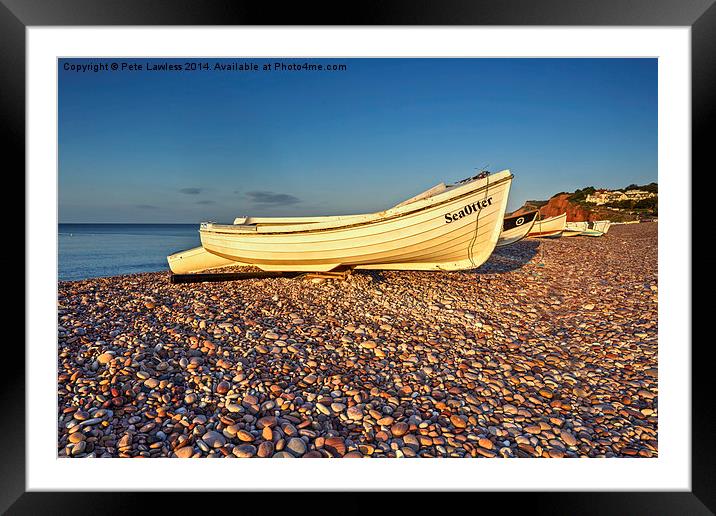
x=477 y=221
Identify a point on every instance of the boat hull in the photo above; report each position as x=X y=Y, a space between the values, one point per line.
x=516 y=228
x=592 y=233
x=577 y=226
x=601 y=225
x=552 y=227
x=546 y=234
x=456 y=229
x=196 y=260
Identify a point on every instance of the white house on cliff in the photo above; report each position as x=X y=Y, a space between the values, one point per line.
x=608 y=196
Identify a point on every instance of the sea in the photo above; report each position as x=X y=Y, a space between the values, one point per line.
x=100 y=250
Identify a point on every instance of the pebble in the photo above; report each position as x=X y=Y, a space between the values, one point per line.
x=485 y=443
x=79 y=448
x=355 y=413
x=296 y=446
x=151 y=383
x=265 y=449
x=81 y=415
x=214 y=439
x=223 y=387
x=399 y=429
x=76 y=437
x=336 y=446
x=105 y=358
x=244 y=436
x=568 y=438
x=233 y=407
x=458 y=421
x=244 y=450
x=185 y=452
x=267 y=421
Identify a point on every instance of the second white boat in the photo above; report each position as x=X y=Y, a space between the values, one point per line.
x=550 y=227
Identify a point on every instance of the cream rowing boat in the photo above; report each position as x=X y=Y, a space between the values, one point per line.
x=449 y=228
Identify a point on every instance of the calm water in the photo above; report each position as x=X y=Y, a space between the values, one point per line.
x=94 y=250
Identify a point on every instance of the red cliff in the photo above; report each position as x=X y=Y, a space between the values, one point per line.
x=560 y=203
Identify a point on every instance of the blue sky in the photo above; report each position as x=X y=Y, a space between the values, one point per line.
x=151 y=146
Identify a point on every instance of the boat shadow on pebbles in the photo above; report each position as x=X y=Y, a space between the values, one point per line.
x=508 y=258
x=376 y=276
x=503 y=260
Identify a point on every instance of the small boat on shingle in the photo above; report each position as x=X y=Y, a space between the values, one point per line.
x=448 y=227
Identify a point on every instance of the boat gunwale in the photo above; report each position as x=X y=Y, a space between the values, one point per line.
x=534 y=214
x=556 y=217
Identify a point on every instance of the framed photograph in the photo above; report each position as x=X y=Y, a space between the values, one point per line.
x=414 y=240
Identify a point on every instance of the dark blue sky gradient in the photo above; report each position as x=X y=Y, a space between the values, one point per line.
x=192 y=146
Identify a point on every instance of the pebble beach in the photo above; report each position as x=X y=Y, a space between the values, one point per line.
x=547 y=350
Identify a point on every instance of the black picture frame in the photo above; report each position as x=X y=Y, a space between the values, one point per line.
x=700 y=15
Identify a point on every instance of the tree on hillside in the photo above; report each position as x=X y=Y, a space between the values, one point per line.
x=651 y=187
x=581 y=195
x=643 y=204
x=646 y=204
